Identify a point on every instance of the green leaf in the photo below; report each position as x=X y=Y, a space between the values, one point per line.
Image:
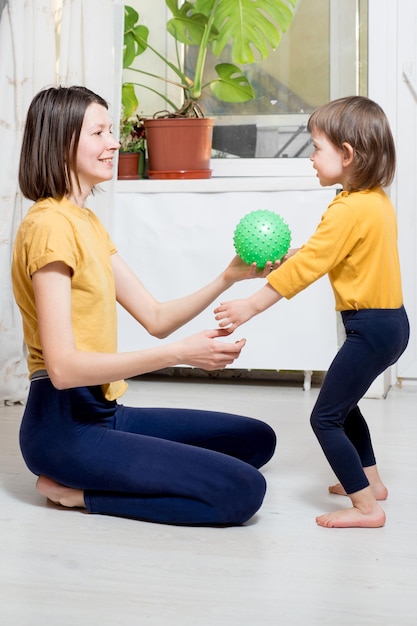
x=252 y=27
x=135 y=37
x=187 y=26
x=186 y=30
x=173 y=6
x=129 y=100
x=232 y=85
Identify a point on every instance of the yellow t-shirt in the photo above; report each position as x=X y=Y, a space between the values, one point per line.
x=356 y=245
x=61 y=231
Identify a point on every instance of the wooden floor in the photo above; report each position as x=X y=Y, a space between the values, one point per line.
x=64 y=567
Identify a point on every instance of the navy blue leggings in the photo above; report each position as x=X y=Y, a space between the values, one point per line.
x=176 y=466
x=375 y=339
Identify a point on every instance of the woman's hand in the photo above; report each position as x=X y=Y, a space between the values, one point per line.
x=238 y=270
x=204 y=351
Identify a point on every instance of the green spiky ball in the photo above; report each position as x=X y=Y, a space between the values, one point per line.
x=261 y=236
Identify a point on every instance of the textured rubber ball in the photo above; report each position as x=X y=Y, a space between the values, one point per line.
x=261 y=236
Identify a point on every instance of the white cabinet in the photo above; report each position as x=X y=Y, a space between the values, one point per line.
x=178 y=241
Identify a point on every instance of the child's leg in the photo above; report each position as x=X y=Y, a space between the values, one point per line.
x=357 y=431
x=375 y=340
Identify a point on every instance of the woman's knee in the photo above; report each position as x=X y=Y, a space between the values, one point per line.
x=267 y=441
x=241 y=497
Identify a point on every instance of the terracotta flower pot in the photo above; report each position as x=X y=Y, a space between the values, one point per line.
x=131 y=165
x=179 y=147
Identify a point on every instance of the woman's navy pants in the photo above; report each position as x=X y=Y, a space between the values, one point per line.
x=176 y=466
x=375 y=339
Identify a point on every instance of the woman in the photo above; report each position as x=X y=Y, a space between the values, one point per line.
x=89 y=451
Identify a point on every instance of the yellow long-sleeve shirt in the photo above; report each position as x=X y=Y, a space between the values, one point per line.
x=355 y=243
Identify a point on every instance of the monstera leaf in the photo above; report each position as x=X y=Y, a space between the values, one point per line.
x=252 y=27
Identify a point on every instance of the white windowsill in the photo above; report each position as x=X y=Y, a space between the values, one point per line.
x=235 y=175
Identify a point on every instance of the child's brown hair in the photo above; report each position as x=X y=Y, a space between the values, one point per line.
x=362 y=124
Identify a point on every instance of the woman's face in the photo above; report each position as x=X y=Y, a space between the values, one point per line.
x=96 y=147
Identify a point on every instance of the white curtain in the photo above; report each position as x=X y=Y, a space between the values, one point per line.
x=44 y=43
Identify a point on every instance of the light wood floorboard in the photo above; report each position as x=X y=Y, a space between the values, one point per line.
x=64 y=567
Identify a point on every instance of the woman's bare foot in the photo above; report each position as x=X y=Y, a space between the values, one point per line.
x=364 y=513
x=65 y=496
x=378 y=488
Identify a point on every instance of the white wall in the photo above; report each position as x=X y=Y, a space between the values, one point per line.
x=393 y=49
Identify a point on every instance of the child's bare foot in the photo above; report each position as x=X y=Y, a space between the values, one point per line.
x=59 y=494
x=352 y=518
x=337 y=489
x=365 y=513
x=379 y=490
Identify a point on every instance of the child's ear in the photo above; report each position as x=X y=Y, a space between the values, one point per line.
x=347 y=153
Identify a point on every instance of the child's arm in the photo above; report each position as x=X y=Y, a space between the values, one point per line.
x=233 y=314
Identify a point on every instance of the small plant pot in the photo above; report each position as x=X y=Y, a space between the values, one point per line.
x=179 y=147
x=131 y=165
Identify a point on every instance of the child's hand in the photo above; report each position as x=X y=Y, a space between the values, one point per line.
x=233 y=314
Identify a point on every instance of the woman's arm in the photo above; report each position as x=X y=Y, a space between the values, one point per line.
x=160 y=319
x=69 y=367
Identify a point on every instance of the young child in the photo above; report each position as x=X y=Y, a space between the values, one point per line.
x=163 y=465
x=356 y=245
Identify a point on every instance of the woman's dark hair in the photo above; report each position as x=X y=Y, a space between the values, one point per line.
x=50 y=141
x=362 y=123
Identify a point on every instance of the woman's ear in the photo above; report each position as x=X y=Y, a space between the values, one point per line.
x=348 y=153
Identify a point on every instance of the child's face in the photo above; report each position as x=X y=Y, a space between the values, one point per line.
x=96 y=147
x=328 y=160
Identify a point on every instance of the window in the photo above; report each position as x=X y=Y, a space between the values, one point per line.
x=323 y=56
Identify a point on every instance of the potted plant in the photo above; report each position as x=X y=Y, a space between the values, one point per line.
x=251 y=30
x=132 y=150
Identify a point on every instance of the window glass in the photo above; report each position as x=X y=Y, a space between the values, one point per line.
x=322 y=56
